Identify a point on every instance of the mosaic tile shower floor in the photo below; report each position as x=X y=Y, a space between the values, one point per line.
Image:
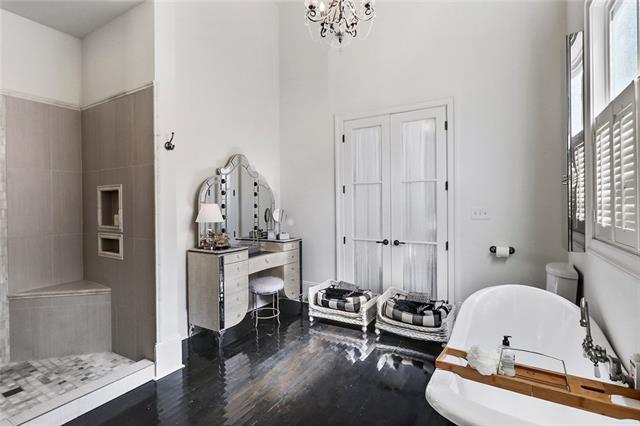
x=44 y=379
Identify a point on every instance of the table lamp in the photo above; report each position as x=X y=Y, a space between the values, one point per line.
x=210 y=213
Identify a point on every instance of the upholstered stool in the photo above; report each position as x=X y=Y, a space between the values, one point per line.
x=266 y=286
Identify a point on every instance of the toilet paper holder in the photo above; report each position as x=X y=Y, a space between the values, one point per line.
x=492 y=249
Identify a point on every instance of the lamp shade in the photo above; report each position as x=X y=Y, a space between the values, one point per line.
x=209 y=213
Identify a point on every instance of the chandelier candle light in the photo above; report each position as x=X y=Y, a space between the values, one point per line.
x=340 y=19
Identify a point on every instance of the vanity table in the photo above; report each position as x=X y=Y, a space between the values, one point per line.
x=218 y=280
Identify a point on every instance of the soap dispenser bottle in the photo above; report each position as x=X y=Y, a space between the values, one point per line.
x=507 y=359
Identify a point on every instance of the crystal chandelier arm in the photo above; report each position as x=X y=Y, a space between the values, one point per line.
x=340 y=18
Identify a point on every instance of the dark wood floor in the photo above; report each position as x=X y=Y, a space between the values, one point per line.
x=325 y=374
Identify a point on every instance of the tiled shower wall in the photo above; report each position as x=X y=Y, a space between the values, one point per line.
x=44 y=181
x=4 y=261
x=40 y=200
x=118 y=148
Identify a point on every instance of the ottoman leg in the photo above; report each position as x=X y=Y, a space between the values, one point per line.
x=377 y=331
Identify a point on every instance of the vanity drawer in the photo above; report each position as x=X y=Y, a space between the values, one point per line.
x=236 y=284
x=237 y=269
x=293 y=256
x=291 y=270
x=275 y=246
x=266 y=261
x=235 y=307
x=236 y=257
x=292 y=287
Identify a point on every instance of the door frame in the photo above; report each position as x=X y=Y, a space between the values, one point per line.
x=339 y=120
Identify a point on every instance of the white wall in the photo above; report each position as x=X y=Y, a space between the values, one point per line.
x=169 y=313
x=306 y=151
x=39 y=62
x=502 y=63
x=227 y=89
x=119 y=56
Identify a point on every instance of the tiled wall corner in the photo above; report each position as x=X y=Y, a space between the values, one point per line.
x=4 y=261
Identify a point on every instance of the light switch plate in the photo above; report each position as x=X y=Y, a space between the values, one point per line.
x=479 y=213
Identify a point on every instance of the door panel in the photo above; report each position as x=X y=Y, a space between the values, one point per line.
x=418 y=207
x=394 y=169
x=419 y=267
x=366 y=217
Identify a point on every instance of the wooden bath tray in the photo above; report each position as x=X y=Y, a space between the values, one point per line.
x=578 y=392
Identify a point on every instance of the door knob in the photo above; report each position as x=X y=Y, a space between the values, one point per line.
x=397 y=243
x=384 y=242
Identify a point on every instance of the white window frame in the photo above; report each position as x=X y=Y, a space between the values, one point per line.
x=596 y=98
x=610 y=9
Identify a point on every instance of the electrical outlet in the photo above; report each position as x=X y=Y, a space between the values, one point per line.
x=479 y=213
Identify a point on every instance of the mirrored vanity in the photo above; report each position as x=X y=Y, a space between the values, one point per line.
x=218 y=280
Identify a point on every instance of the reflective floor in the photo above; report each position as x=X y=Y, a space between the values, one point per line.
x=292 y=374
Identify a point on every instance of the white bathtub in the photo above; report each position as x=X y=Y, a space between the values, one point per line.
x=538 y=321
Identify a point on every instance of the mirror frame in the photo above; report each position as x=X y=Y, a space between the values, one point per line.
x=214 y=189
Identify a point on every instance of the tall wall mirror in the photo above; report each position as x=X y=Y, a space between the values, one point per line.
x=245 y=199
x=575 y=173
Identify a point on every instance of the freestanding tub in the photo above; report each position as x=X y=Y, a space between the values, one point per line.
x=538 y=321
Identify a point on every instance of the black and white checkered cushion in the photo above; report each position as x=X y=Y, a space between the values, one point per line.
x=429 y=318
x=350 y=303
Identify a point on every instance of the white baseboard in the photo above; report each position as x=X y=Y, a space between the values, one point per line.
x=168 y=356
x=79 y=401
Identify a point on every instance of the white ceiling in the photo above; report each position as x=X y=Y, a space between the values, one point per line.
x=75 y=17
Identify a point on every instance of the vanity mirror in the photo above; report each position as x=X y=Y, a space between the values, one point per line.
x=575 y=172
x=244 y=197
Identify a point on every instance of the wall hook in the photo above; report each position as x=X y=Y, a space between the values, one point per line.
x=169 y=145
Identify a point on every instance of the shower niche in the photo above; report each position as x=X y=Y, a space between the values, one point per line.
x=110 y=208
x=110 y=245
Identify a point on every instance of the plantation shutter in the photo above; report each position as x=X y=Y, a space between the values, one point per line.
x=580 y=166
x=625 y=165
x=602 y=160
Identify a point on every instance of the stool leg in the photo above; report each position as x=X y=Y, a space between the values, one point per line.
x=277 y=307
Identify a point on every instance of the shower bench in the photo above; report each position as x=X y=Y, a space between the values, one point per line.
x=63 y=319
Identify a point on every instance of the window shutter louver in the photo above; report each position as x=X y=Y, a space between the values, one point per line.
x=580 y=187
x=602 y=154
x=625 y=168
x=616 y=171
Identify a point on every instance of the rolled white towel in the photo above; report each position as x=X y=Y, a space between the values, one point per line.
x=484 y=359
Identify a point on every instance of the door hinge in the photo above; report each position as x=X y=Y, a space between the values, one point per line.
x=446 y=186
x=342 y=138
x=446 y=246
x=344 y=240
x=446 y=125
x=343 y=189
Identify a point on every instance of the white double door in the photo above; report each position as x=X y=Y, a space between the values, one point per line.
x=394 y=202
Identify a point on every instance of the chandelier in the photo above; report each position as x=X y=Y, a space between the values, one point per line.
x=340 y=19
